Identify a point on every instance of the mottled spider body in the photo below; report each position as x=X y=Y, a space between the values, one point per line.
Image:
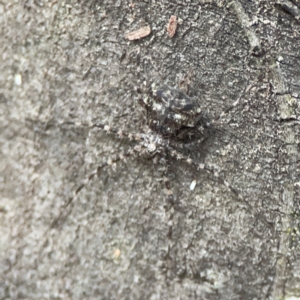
x=173 y=114
x=173 y=119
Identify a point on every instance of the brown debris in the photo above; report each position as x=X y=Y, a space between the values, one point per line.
x=138 y=34
x=172 y=26
x=52 y=3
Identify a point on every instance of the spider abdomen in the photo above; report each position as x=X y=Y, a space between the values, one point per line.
x=172 y=113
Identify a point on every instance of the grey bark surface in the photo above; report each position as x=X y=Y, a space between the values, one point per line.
x=67 y=63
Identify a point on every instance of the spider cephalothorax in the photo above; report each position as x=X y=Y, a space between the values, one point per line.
x=173 y=114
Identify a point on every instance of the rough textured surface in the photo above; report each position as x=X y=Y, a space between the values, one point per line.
x=67 y=63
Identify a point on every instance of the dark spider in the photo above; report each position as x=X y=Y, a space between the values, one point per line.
x=174 y=115
x=174 y=120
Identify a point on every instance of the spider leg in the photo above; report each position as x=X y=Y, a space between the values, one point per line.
x=119 y=132
x=113 y=130
x=202 y=166
x=170 y=200
x=97 y=171
x=211 y=170
x=236 y=103
x=169 y=210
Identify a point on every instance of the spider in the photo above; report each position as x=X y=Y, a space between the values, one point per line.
x=174 y=121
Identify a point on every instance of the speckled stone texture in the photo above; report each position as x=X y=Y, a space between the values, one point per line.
x=67 y=63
